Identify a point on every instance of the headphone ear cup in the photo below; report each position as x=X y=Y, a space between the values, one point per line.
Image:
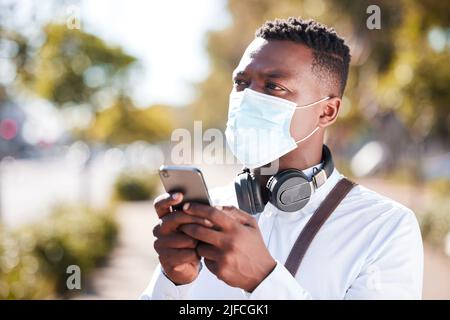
x=243 y=195
x=248 y=193
x=257 y=196
x=289 y=190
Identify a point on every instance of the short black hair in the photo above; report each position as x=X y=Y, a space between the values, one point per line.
x=330 y=53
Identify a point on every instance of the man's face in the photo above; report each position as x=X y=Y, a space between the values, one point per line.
x=283 y=69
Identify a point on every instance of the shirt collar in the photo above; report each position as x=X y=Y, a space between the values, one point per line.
x=309 y=171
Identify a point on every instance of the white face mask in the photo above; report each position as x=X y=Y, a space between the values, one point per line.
x=258 y=127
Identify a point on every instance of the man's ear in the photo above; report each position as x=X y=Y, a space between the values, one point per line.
x=330 y=112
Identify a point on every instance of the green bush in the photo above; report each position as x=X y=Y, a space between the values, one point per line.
x=136 y=186
x=440 y=187
x=34 y=259
x=435 y=223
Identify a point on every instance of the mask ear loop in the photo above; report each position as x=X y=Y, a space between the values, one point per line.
x=317 y=128
x=311 y=104
x=308 y=136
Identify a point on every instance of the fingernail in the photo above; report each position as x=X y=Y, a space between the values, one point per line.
x=186 y=206
x=208 y=223
x=176 y=195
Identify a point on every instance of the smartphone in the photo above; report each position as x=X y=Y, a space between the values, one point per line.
x=186 y=179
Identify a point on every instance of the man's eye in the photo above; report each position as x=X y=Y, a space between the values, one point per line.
x=272 y=86
x=239 y=82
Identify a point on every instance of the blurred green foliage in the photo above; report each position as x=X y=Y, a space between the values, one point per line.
x=34 y=259
x=74 y=69
x=435 y=222
x=441 y=188
x=72 y=66
x=136 y=186
x=124 y=123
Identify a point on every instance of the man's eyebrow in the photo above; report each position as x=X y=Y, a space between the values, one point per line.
x=237 y=74
x=277 y=74
x=274 y=74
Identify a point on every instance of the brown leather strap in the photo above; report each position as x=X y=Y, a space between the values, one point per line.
x=319 y=217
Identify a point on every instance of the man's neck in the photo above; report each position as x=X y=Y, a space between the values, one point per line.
x=306 y=156
x=303 y=157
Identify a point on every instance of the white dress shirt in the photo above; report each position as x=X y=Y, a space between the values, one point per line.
x=369 y=248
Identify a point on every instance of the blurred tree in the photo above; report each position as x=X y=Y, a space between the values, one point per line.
x=77 y=70
x=417 y=83
x=124 y=123
x=73 y=66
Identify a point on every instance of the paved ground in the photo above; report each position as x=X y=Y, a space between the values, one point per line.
x=132 y=262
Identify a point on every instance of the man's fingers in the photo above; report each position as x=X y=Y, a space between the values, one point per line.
x=211 y=265
x=217 y=217
x=207 y=251
x=243 y=217
x=164 y=201
x=175 y=241
x=171 y=222
x=201 y=233
x=171 y=256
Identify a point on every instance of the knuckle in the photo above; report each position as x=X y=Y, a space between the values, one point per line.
x=192 y=243
x=196 y=220
x=167 y=218
x=233 y=226
x=183 y=241
x=233 y=245
x=213 y=213
x=193 y=230
x=231 y=209
x=229 y=244
x=222 y=243
x=157 y=230
x=227 y=260
x=157 y=245
x=252 y=220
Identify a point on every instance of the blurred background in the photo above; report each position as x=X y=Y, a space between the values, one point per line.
x=92 y=91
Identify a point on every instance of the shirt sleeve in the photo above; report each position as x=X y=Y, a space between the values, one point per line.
x=162 y=288
x=279 y=285
x=394 y=266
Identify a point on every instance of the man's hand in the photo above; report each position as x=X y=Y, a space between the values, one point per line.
x=234 y=249
x=176 y=250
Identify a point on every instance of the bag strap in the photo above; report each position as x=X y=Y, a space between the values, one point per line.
x=326 y=208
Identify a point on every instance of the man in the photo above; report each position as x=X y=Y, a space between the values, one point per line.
x=290 y=80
